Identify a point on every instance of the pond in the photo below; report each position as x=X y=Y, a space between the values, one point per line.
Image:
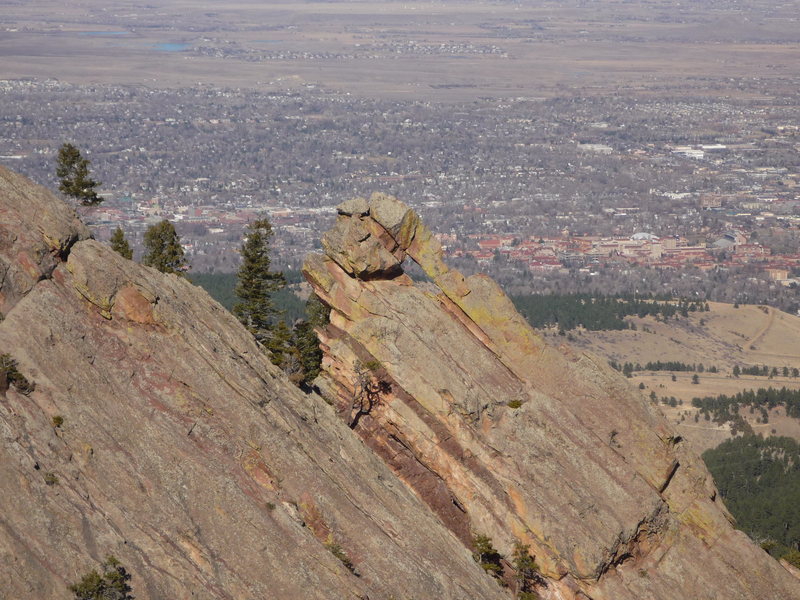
x=171 y=47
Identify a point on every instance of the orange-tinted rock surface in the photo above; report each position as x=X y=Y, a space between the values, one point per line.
x=504 y=435
x=181 y=449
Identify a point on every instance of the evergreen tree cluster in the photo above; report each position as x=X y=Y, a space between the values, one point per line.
x=306 y=340
x=670 y=365
x=526 y=574
x=295 y=350
x=765 y=371
x=759 y=479
x=597 y=312
x=163 y=249
x=666 y=400
x=295 y=346
x=256 y=295
x=724 y=409
x=111 y=584
x=673 y=365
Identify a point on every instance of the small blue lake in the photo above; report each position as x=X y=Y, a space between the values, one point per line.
x=171 y=47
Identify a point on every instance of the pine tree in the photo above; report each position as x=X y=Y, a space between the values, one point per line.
x=527 y=571
x=73 y=172
x=306 y=340
x=256 y=284
x=283 y=351
x=487 y=556
x=120 y=245
x=163 y=249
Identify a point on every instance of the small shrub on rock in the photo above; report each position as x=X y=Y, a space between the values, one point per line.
x=9 y=375
x=111 y=585
x=339 y=553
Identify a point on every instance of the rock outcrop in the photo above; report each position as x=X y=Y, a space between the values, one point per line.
x=160 y=433
x=504 y=435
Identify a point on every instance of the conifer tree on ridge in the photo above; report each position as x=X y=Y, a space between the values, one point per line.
x=120 y=245
x=73 y=173
x=163 y=249
x=257 y=283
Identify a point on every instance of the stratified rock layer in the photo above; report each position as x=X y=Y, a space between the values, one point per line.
x=502 y=434
x=183 y=451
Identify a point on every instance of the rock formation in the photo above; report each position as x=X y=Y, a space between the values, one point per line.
x=160 y=433
x=504 y=435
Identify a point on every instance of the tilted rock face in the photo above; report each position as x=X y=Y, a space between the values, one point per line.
x=183 y=451
x=35 y=233
x=504 y=435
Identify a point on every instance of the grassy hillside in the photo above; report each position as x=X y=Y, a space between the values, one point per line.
x=724 y=335
x=725 y=338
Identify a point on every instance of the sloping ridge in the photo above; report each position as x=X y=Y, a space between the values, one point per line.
x=502 y=434
x=182 y=451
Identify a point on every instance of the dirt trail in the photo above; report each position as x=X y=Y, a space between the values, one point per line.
x=763 y=330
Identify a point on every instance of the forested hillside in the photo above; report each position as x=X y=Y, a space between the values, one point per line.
x=597 y=312
x=220 y=286
x=759 y=480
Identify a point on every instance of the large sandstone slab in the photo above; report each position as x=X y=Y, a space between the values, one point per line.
x=183 y=451
x=502 y=434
